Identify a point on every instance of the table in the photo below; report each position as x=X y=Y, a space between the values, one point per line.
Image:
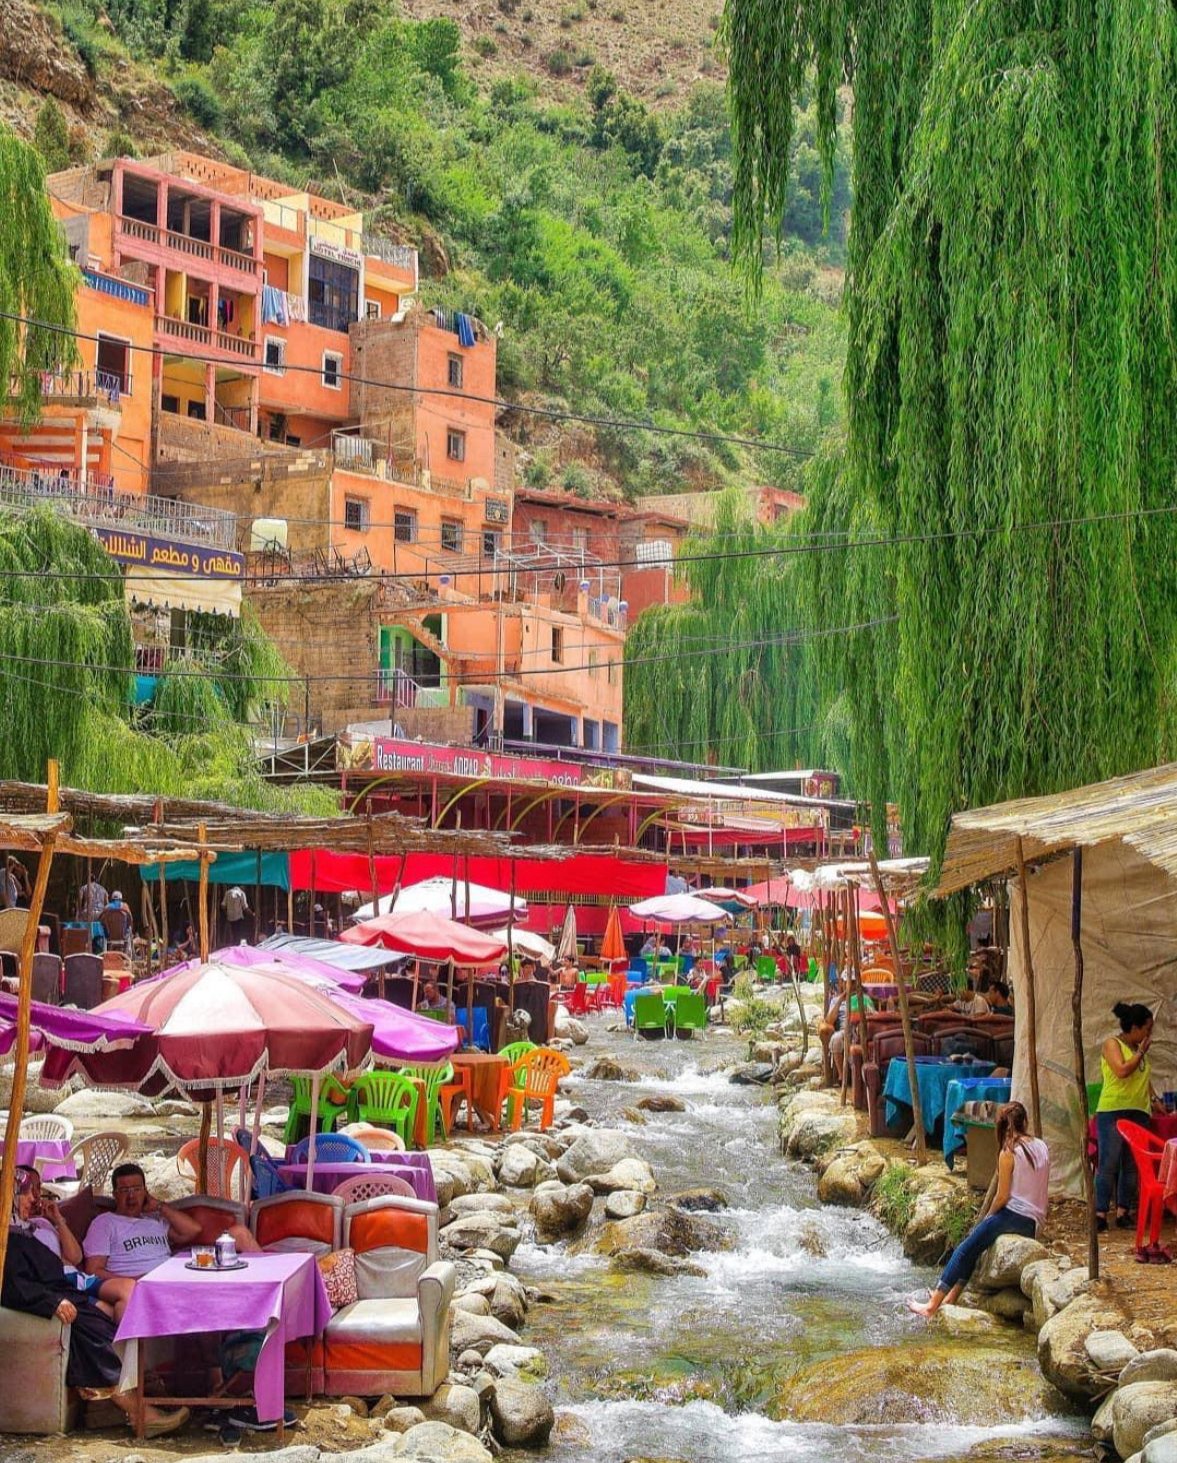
x=934 y=1078
x=969 y=1089
x=282 y=1295
x=414 y=1168
x=486 y=1071
x=54 y=1153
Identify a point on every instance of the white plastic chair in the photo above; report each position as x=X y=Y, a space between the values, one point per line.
x=97 y=1156
x=48 y=1127
x=373 y=1186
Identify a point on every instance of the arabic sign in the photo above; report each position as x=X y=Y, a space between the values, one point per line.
x=169 y=555
x=325 y=249
x=391 y=754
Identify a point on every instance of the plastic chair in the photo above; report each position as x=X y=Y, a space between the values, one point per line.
x=373 y=1186
x=690 y=1014
x=47 y=974
x=640 y=967
x=1147 y=1149
x=225 y=1159
x=330 y=1148
x=460 y=1088
x=388 y=1100
x=649 y=1013
x=434 y=1076
x=766 y=969
x=47 y=1126
x=267 y=1181
x=534 y=1079
x=334 y=1100
x=97 y=1156
x=376 y=1140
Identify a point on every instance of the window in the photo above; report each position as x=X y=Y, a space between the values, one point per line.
x=592 y=664
x=611 y=667
x=169 y=403
x=113 y=365
x=455 y=372
x=372 y=309
x=492 y=542
x=196 y=410
x=451 y=535
x=333 y=294
x=655 y=551
x=455 y=445
x=404 y=526
x=539 y=531
x=275 y=357
x=332 y=370
x=356 y=514
x=558 y=644
x=274 y=428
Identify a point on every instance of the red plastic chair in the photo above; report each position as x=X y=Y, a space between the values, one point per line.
x=578 y=1000
x=1146 y=1150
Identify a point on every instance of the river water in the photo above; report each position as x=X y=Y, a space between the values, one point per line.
x=808 y=1303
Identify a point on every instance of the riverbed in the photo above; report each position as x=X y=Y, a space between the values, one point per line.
x=806 y=1308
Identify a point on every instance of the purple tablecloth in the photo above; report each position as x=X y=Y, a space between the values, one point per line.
x=283 y=1295
x=414 y=1168
x=55 y=1150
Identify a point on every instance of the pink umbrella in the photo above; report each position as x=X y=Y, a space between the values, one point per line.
x=781 y=892
x=68 y=1030
x=429 y=937
x=329 y=976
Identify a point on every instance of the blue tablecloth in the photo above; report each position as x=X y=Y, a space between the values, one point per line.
x=969 y=1089
x=934 y=1078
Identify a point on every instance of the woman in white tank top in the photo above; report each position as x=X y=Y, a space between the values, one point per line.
x=1019 y=1205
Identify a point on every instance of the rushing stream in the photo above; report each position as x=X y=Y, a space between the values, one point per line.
x=717 y=1370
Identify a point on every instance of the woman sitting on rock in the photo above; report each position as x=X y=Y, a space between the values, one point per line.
x=1019 y=1206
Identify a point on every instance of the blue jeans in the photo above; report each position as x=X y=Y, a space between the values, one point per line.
x=1117 y=1168
x=964 y=1258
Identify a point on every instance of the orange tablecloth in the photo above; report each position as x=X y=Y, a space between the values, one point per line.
x=485 y=1074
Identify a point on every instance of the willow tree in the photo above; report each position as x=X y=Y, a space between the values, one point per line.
x=36 y=279
x=1011 y=381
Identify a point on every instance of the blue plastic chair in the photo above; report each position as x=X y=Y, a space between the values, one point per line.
x=331 y=1148
x=267 y=1181
x=481 y=1037
x=641 y=964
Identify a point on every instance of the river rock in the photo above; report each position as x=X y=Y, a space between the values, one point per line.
x=568 y=1028
x=523 y=1416
x=483 y=1230
x=459 y=1406
x=1137 y=1408
x=751 y=1074
x=1111 y=1351
x=93 y=1106
x=436 y=1442
x=395 y=1416
x=1161 y=1447
x=817 y=1132
x=1062 y=1346
x=650 y=1262
x=631 y=1173
x=505 y=1359
x=605 y=1069
x=472 y=1303
x=448 y=1169
x=708 y=1201
x=595 y=1151
x=849 y=1174
x=964 y=1321
x=1002 y=1263
x=668 y=1231
x=518 y=1168
x=624 y=1204
x=560 y=1209
x=662 y=1102
x=477 y=1333
x=1053 y=1290
x=1008 y=1304
x=1151 y=1366
x=508 y=1301
x=480 y=1204
x=164 y=1178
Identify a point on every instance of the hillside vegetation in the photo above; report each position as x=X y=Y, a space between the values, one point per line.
x=596 y=229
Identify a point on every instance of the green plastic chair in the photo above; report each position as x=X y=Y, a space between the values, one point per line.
x=516 y=1049
x=330 y=1107
x=649 y=1013
x=666 y=970
x=389 y=1100
x=1094 y=1091
x=690 y=1014
x=434 y=1075
x=674 y=994
x=766 y=969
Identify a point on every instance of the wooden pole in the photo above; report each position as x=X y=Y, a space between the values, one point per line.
x=20 y=1053
x=826 y=987
x=202 y=893
x=1031 y=999
x=1080 y=1062
x=511 y=944
x=257 y=901
x=917 y=1106
x=470 y=971
x=842 y=899
x=289 y=903
x=206 y=1127
x=163 y=913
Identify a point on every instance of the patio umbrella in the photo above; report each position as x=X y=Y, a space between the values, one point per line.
x=332 y=979
x=781 y=892
x=527 y=942
x=613 y=942
x=68 y=1030
x=437 y=896
x=428 y=937
x=733 y=900
x=566 y=944
x=679 y=909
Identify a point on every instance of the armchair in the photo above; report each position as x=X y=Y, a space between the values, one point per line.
x=34 y=1397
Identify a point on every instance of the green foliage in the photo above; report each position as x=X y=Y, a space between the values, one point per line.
x=194 y=92
x=620 y=120
x=893 y=1197
x=1010 y=374
x=753 y=1017
x=51 y=136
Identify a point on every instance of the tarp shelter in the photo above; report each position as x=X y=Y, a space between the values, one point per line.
x=1127 y=829
x=246 y=869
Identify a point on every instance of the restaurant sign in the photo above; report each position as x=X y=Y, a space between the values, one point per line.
x=392 y=754
x=170 y=556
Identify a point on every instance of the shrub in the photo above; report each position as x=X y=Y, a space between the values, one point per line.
x=508 y=7
x=577 y=479
x=79 y=35
x=754 y=1017
x=617 y=16
x=119 y=144
x=485 y=46
x=559 y=62
x=893 y=1197
x=51 y=136
x=583 y=58
x=196 y=95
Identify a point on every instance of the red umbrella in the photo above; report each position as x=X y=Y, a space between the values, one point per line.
x=216 y=1027
x=429 y=937
x=780 y=891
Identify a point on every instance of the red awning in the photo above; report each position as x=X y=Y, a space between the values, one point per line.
x=582 y=873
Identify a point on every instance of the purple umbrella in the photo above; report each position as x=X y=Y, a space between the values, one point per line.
x=67 y=1028
x=318 y=971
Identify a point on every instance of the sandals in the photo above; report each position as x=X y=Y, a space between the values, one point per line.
x=1155 y=1254
x=169 y=1422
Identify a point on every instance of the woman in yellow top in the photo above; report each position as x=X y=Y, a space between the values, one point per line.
x=1127 y=1093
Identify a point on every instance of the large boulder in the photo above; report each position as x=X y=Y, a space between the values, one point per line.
x=522 y=1415
x=519 y=1168
x=605 y=1069
x=965 y=1321
x=437 y=1442
x=661 y=1102
x=480 y=1204
x=1003 y=1262
x=1137 y=1408
x=483 y=1231
x=849 y=1174
x=596 y=1150
x=560 y=1209
x=508 y=1301
x=568 y=1028
x=1052 y=1292
x=477 y=1333
x=651 y=1262
x=1008 y=1304
x=707 y=1201
x=624 y=1204
x=459 y=1406
x=506 y=1360
x=91 y=1105
x=1151 y=1366
x=1161 y=1446
x=1111 y=1351
x=631 y=1173
x=1062 y=1346
x=813 y=1133
x=667 y=1231
x=751 y=1074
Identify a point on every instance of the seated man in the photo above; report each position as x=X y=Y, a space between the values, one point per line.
x=433 y=1000
x=116 y=921
x=139 y=1235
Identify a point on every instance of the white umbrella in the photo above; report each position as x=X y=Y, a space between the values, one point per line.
x=720 y=895
x=438 y=896
x=527 y=942
x=679 y=909
x=566 y=947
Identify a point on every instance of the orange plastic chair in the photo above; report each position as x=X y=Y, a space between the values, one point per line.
x=225 y=1160
x=1147 y=1149
x=461 y=1089
x=533 y=1079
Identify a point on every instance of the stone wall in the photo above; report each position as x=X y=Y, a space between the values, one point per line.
x=295 y=486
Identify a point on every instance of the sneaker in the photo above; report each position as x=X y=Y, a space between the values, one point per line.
x=1143 y=1257
x=247 y=1420
x=1125 y=1221
x=1159 y=1255
x=1101 y=1224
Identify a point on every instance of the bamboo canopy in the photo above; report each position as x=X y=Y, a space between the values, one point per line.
x=31 y=832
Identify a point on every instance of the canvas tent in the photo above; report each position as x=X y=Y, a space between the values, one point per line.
x=1126 y=830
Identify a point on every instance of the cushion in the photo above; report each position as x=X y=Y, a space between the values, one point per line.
x=295 y=1219
x=389 y=1273
x=338 y=1270
x=388 y=1226
x=295 y=1244
x=376 y=1320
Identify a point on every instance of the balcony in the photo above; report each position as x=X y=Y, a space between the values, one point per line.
x=96 y=503
x=80 y=388
x=400 y=256
x=118 y=289
x=232 y=345
x=145 y=233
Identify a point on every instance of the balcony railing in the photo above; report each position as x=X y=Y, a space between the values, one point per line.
x=97 y=502
x=119 y=289
x=395 y=687
x=234 y=345
x=80 y=388
x=134 y=228
x=400 y=256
